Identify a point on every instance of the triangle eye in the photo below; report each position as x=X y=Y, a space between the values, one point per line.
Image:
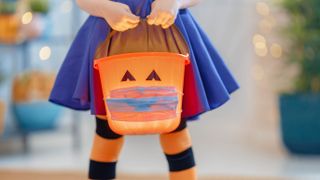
x=153 y=75
x=128 y=76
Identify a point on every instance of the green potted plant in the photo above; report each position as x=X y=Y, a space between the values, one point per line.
x=39 y=6
x=30 y=92
x=9 y=22
x=8 y=6
x=300 y=109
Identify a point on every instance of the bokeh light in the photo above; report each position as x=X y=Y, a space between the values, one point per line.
x=261 y=50
x=66 y=6
x=26 y=18
x=260 y=45
x=276 y=50
x=258 y=38
x=45 y=53
x=263 y=9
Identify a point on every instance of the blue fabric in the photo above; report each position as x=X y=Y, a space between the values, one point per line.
x=213 y=82
x=163 y=103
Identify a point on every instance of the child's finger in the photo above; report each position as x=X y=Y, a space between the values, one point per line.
x=168 y=23
x=132 y=18
x=131 y=25
x=151 y=18
x=160 y=19
x=120 y=28
x=128 y=25
x=165 y=20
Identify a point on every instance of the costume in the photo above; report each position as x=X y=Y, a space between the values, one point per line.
x=208 y=82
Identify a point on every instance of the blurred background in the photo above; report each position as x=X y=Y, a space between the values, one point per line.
x=270 y=129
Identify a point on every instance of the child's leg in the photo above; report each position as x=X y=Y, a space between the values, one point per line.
x=105 y=151
x=177 y=147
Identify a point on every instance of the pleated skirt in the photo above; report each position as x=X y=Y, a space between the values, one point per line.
x=208 y=82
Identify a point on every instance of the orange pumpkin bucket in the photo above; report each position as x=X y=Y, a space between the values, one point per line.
x=143 y=91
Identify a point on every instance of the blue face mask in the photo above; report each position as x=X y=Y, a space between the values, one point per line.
x=143 y=100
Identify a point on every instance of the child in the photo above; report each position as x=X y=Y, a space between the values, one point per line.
x=208 y=83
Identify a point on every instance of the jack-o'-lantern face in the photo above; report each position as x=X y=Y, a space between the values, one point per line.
x=142 y=88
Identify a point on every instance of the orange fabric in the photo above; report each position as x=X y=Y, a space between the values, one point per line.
x=189 y=174
x=177 y=142
x=106 y=150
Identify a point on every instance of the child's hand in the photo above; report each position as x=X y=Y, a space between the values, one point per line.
x=163 y=12
x=119 y=16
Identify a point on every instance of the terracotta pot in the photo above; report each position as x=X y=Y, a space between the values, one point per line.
x=31 y=86
x=2 y=112
x=9 y=28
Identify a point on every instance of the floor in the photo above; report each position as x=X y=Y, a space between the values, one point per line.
x=30 y=175
x=229 y=153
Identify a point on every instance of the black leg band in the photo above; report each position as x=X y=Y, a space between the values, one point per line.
x=103 y=129
x=182 y=126
x=102 y=170
x=181 y=161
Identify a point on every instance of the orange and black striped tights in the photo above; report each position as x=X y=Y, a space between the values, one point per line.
x=107 y=145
